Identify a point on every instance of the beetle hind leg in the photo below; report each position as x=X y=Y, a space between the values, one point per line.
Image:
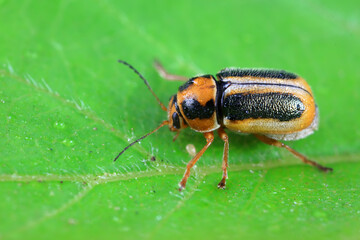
x=304 y=159
x=209 y=139
x=225 y=164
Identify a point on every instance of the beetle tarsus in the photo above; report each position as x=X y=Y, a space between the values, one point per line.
x=315 y=164
x=324 y=169
x=222 y=183
x=182 y=185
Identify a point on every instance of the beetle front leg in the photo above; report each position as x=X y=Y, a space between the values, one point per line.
x=176 y=136
x=225 y=164
x=209 y=136
x=276 y=143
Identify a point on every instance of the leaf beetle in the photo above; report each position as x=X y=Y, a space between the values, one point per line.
x=271 y=104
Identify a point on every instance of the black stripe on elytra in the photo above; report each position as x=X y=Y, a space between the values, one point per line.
x=280 y=106
x=193 y=109
x=266 y=84
x=265 y=73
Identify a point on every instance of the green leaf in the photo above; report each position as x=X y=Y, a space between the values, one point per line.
x=68 y=108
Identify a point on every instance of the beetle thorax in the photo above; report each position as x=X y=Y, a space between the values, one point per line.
x=196 y=101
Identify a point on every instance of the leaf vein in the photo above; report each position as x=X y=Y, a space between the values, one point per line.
x=55 y=212
x=167 y=169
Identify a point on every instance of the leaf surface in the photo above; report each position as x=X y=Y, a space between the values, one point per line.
x=68 y=108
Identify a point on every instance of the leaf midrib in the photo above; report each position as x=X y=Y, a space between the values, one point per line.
x=167 y=169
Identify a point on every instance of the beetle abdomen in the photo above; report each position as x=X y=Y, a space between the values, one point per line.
x=265 y=101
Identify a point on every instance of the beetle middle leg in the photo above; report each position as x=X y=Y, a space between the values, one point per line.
x=168 y=76
x=209 y=136
x=277 y=143
x=225 y=138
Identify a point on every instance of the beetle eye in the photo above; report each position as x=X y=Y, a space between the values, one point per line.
x=176 y=120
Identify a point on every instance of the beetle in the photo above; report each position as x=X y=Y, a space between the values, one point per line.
x=271 y=104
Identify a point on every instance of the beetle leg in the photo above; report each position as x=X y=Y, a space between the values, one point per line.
x=225 y=138
x=176 y=136
x=209 y=136
x=168 y=76
x=276 y=143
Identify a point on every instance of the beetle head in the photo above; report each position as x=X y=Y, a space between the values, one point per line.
x=176 y=120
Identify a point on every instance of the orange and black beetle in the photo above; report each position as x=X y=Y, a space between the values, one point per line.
x=271 y=104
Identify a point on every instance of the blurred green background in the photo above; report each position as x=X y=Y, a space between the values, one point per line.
x=67 y=109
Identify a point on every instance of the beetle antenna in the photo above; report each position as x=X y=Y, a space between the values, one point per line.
x=166 y=122
x=146 y=83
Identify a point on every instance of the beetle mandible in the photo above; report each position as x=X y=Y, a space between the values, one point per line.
x=271 y=104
